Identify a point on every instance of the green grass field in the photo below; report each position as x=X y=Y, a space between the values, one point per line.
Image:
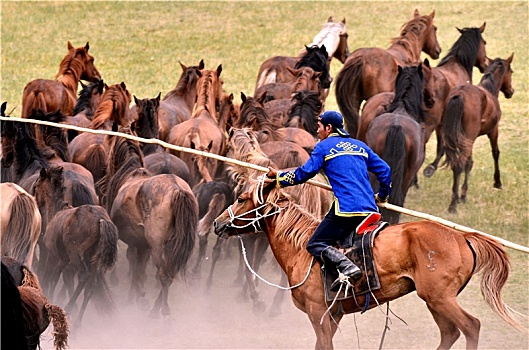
x=140 y=43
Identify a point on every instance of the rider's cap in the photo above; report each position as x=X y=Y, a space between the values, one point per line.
x=335 y=119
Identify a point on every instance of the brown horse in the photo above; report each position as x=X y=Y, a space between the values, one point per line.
x=80 y=241
x=305 y=78
x=305 y=111
x=177 y=105
x=454 y=69
x=202 y=131
x=402 y=256
x=20 y=223
x=369 y=71
x=61 y=93
x=397 y=136
x=26 y=311
x=156 y=217
x=333 y=36
x=114 y=108
x=473 y=111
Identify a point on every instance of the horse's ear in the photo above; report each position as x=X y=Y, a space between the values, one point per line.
x=101 y=86
x=43 y=173
x=231 y=97
x=416 y=13
x=183 y=66
x=123 y=86
x=70 y=46
x=330 y=19
x=432 y=15
x=400 y=69
x=114 y=126
x=133 y=127
x=219 y=70
x=419 y=69
x=192 y=145
x=210 y=145
x=243 y=97
x=159 y=96
x=135 y=100
x=293 y=71
x=106 y=86
x=459 y=30
x=427 y=63
x=482 y=28
x=82 y=85
x=199 y=73
x=508 y=60
x=343 y=20
x=262 y=98
x=3 y=109
x=87 y=46
x=201 y=64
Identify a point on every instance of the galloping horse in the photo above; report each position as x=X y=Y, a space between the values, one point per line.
x=454 y=69
x=473 y=111
x=177 y=105
x=202 y=131
x=79 y=241
x=61 y=93
x=369 y=71
x=397 y=136
x=333 y=36
x=400 y=254
x=20 y=223
x=156 y=216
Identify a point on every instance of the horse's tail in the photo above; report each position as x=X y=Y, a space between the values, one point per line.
x=81 y=195
x=179 y=245
x=30 y=279
x=493 y=261
x=96 y=161
x=105 y=258
x=34 y=101
x=454 y=141
x=268 y=76
x=57 y=317
x=23 y=229
x=348 y=86
x=395 y=155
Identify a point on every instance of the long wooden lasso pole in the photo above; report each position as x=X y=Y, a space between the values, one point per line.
x=265 y=169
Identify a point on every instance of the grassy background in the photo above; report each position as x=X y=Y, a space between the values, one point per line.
x=141 y=43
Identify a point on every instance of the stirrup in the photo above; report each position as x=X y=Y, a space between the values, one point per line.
x=344 y=279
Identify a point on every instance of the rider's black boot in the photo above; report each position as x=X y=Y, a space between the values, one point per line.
x=343 y=264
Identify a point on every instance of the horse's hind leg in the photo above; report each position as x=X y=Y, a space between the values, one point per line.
x=447 y=313
x=493 y=138
x=452 y=208
x=464 y=188
x=432 y=167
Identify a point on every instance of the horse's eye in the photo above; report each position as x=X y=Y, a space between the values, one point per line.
x=240 y=200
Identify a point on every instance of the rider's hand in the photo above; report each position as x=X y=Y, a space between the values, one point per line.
x=380 y=200
x=272 y=173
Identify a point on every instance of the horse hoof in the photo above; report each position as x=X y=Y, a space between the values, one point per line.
x=429 y=171
x=452 y=210
x=258 y=307
x=498 y=186
x=143 y=303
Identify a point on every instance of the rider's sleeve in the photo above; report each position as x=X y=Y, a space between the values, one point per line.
x=304 y=172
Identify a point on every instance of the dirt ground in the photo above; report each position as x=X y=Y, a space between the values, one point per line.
x=224 y=319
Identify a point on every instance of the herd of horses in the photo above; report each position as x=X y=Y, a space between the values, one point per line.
x=68 y=197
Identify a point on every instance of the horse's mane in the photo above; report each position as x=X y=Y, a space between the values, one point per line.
x=125 y=161
x=113 y=107
x=293 y=223
x=317 y=59
x=408 y=93
x=307 y=105
x=488 y=81
x=55 y=139
x=411 y=31
x=85 y=98
x=71 y=68
x=329 y=36
x=187 y=79
x=251 y=111
x=206 y=94
x=29 y=158
x=465 y=49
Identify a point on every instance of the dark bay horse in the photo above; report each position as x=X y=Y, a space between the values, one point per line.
x=455 y=69
x=305 y=111
x=333 y=36
x=26 y=311
x=156 y=217
x=61 y=93
x=203 y=132
x=369 y=71
x=473 y=111
x=20 y=223
x=400 y=255
x=177 y=105
x=397 y=136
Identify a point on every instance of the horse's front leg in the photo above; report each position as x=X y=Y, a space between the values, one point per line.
x=452 y=208
x=324 y=329
x=493 y=138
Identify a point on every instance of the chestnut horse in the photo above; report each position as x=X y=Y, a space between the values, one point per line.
x=20 y=223
x=473 y=111
x=400 y=254
x=202 y=131
x=397 y=136
x=80 y=241
x=61 y=93
x=156 y=217
x=333 y=36
x=455 y=69
x=177 y=105
x=370 y=71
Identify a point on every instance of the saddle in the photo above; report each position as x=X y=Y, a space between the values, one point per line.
x=360 y=252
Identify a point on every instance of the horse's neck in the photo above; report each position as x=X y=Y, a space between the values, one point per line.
x=405 y=50
x=70 y=80
x=186 y=94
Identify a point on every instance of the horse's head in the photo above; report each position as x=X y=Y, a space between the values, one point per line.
x=342 y=50
x=429 y=84
x=305 y=79
x=147 y=121
x=425 y=29
x=498 y=77
x=228 y=112
x=471 y=49
x=246 y=215
x=506 y=85
x=89 y=70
